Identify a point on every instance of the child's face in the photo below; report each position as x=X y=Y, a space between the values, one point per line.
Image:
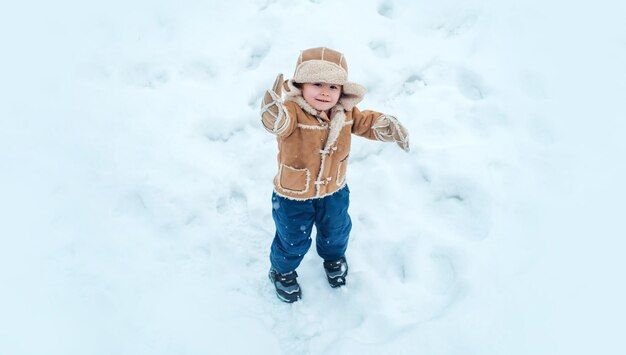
x=321 y=96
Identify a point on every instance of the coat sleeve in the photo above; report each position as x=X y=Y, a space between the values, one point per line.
x=363 y=122
x=377 y=126
x=279 y=118
x=291 y=110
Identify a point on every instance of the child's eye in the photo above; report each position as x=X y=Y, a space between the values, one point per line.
x=319 y=85
x=334 y=87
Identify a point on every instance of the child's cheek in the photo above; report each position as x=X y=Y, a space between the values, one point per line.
x=310 y=102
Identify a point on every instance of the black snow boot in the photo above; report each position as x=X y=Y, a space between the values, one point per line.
x=287 y=288
x=336 y=271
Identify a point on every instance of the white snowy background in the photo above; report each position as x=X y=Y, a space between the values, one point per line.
x=135 y=178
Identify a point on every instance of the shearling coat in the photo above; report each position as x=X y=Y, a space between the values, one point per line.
x=313 y=149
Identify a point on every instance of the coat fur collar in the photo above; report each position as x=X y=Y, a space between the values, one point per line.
x=338 y=112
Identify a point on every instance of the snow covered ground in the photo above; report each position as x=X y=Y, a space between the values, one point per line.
x=135 y=178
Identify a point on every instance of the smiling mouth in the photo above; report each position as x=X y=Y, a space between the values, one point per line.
x=322 y=100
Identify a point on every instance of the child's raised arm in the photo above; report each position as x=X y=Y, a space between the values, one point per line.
x=274 y=114
x=378 y=126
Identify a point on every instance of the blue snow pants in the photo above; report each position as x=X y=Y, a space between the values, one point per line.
x=294 y=222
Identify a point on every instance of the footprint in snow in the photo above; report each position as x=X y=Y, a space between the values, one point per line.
x=385 y=9
x=464 y=209
x=235 y=201
x=257 y=54
x=458 y=25
x=470 y=85
x=264 y=4
x=379 y=48
x=412 y=84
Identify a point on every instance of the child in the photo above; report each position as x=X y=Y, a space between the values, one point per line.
x=313 y=126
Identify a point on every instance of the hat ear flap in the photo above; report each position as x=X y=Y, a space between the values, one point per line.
x=352 y=94
x=291 y=88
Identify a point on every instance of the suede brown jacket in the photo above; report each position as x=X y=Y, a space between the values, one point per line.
x=313 y=149
x=311 y=164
